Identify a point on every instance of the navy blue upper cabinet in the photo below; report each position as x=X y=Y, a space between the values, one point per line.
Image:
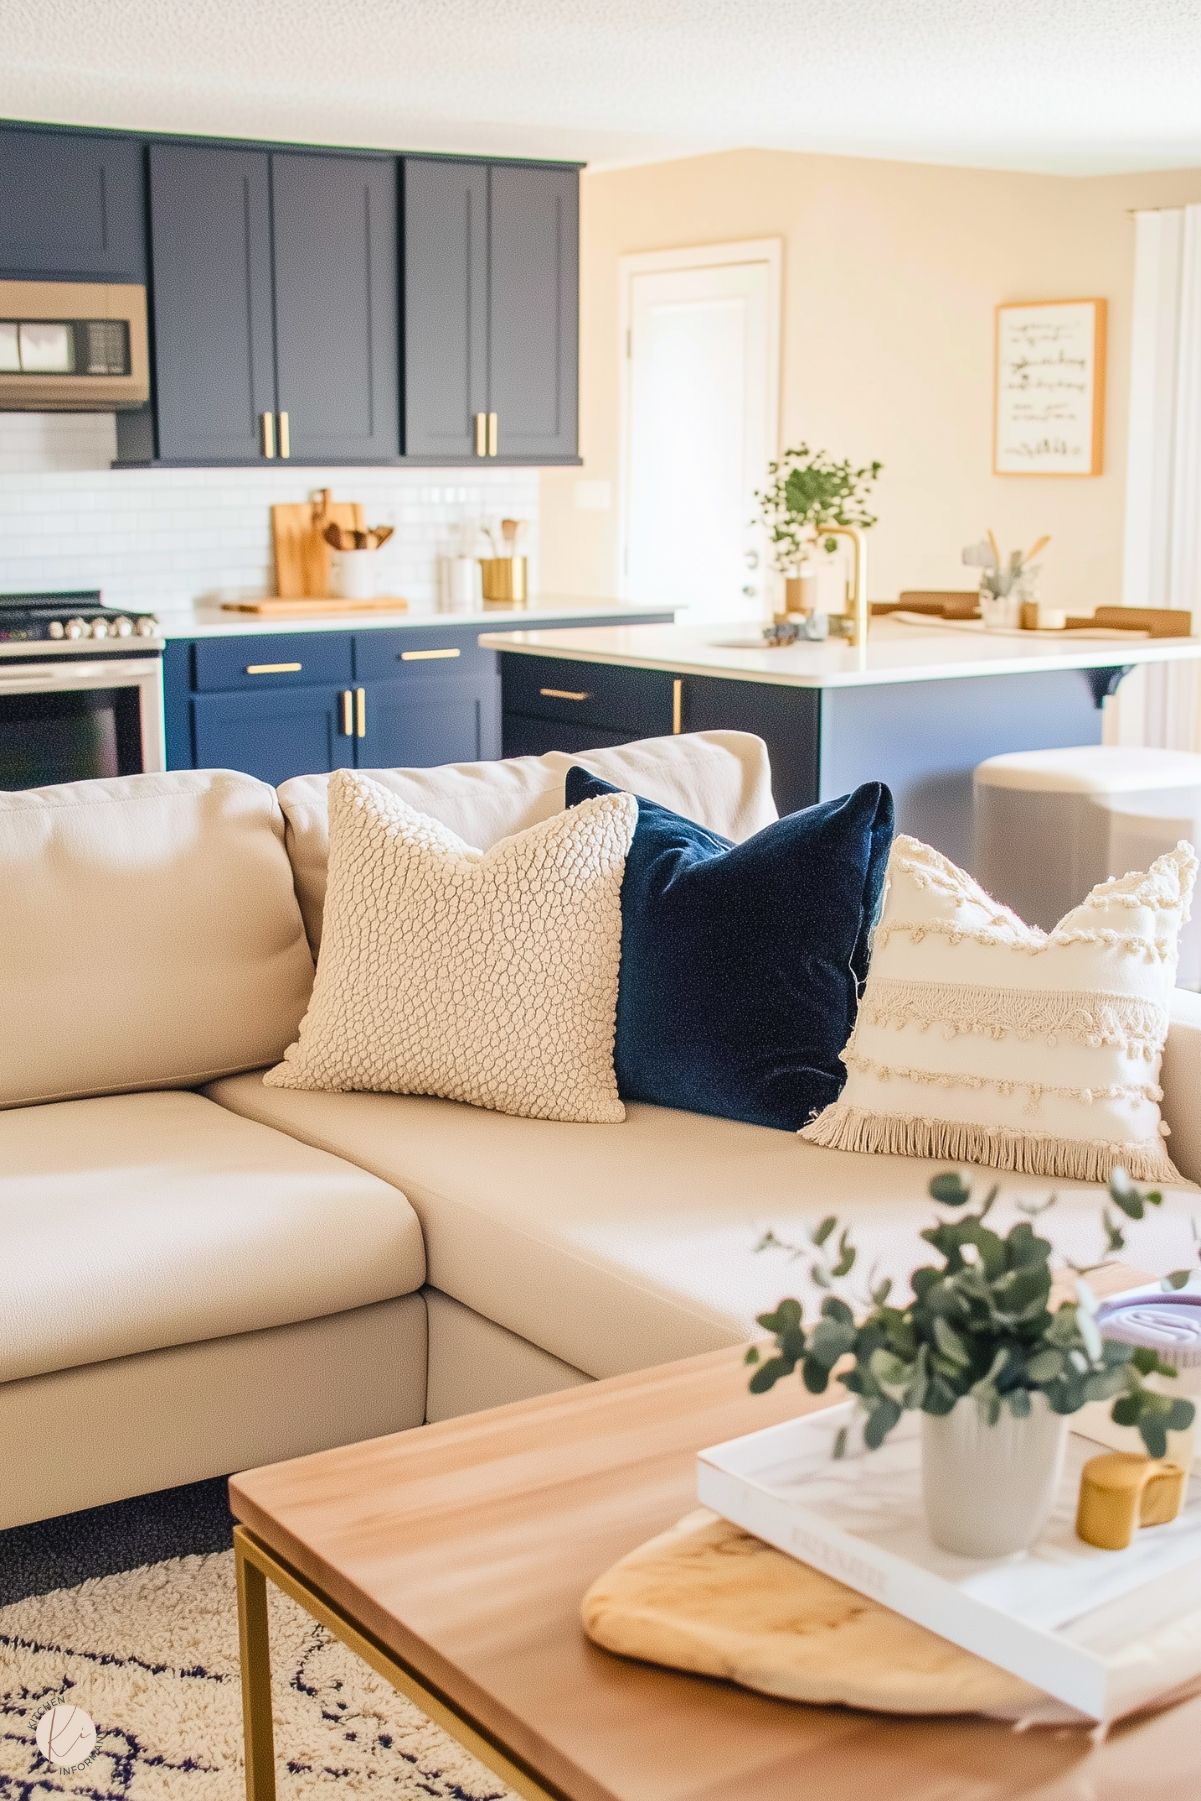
x=336 y=329
x=214 y=373
x=275 y=307
x=533 y=309
x=445 y=280
x=330 y=306
x=71 y=207
x=491 y=286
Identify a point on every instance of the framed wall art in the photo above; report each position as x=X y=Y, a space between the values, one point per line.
x=1049 y=406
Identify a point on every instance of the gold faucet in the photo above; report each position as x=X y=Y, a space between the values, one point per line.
x=854 y=621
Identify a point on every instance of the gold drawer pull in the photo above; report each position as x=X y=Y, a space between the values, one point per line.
x=347 y=713
x=267 y=421
x=481 y=434
x=493 y=435
x=360 y=712
x=274 y=668
x=285 y=435
x=564 y=694
x=427 y=656
x=677 y=706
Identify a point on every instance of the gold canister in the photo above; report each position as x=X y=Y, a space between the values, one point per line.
x=504 y=581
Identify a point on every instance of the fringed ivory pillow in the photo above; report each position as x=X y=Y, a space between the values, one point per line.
x=483 y=976
x=983 y=1040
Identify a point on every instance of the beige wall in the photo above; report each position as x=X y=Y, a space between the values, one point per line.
x=891 y=274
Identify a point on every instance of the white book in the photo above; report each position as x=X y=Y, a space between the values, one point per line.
x=1061 y=1615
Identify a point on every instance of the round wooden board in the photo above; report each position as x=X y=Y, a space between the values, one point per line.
x=707 y=1597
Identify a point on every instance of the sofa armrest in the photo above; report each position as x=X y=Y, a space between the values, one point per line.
x=1182 y=1084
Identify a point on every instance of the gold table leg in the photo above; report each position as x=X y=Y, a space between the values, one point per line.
x=255 y=1644
x=256 y=1566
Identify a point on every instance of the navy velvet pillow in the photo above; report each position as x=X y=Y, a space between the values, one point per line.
x=741 y=964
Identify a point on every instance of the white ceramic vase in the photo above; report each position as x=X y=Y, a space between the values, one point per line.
x=989 y=1489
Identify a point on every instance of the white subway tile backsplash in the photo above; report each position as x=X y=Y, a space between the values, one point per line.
x=163 y=538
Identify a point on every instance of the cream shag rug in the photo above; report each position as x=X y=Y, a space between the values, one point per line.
x=152 y=1656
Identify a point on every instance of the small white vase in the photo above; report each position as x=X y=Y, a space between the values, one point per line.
x=989 y=1490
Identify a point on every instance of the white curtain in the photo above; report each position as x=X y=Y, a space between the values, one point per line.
x=1163 y=475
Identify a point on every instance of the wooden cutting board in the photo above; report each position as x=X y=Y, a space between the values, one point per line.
x=283 y=606
x=301 y=553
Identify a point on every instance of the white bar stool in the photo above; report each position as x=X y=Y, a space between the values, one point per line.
x=1049 y=824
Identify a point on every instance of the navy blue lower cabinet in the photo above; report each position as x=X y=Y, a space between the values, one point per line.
x=274 y=733
x=552 y=703
x=415 y=722
x=279 y=704
x=525 y=736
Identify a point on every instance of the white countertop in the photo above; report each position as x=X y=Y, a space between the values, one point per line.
x=213 y=622
x=895 y=652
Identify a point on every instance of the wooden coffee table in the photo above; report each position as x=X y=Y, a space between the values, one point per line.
x=453 y=1558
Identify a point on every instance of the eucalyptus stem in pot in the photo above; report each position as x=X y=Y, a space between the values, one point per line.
x=979 y=1338
x=806 y=493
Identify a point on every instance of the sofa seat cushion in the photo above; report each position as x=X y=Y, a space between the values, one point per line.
x=617 y=1247
x=137 y=1221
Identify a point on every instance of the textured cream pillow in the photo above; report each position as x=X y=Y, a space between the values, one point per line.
x=483 y=976
x=984 y=1040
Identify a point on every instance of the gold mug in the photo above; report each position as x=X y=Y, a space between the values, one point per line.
x=503 y=581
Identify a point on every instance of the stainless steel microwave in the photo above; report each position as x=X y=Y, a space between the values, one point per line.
x=72 y=346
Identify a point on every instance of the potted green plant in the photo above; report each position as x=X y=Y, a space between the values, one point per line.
x=807 y=492
x=981 y=1351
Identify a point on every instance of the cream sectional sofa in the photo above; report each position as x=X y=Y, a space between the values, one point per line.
x=198 y=1273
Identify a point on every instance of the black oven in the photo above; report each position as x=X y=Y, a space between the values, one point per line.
x=70 y=717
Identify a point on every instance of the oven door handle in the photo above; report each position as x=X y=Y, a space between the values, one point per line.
x=62 y=677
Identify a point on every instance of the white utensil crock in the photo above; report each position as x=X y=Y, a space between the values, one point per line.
x=989 y=1490
x=352 y=574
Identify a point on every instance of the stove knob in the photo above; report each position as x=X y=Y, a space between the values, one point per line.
x=120 y=627
x=146 y=626
x=55 y=629
x=76 y=628
x=98 y=628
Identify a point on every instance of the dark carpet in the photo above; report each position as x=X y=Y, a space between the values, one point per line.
x=100 y=1541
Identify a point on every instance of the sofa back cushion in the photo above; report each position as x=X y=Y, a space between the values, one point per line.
x=151 y=936
x=721 y=779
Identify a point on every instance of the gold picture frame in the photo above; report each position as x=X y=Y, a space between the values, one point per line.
x=1049 y=388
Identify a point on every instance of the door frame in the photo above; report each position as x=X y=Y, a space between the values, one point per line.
x=769 y=251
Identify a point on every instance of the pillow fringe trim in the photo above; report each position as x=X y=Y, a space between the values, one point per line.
x=844 y=1128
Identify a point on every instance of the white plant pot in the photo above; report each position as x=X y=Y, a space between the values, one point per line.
x=989 y=1490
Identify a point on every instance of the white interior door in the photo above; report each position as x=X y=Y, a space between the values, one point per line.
x=702 y=344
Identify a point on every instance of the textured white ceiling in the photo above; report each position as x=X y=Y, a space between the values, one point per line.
x=1078 y=86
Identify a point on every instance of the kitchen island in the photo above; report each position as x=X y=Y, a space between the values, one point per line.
x=917 y=706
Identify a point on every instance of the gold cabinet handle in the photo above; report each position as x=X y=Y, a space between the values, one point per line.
x=274 y=668
x=267 y=427
x=285 y=436
x=565 y=694
x=493 y=434
x=481 y=434
x=360 y=712
x=427 y=656
x=677 y=706
x=347 y=713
